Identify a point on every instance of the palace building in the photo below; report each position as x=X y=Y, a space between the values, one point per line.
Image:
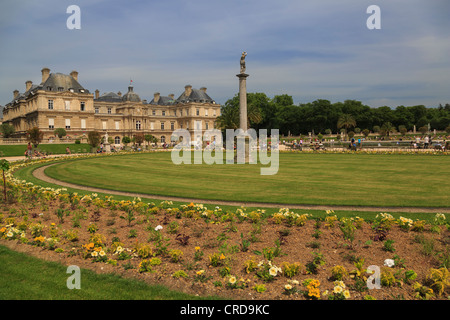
x=60 y=101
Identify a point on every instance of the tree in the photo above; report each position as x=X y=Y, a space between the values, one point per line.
x=387 y=128
x=4 y=165
x=150 y=138
x=60 y=132
x=34 y=135
x=126 y=140
x=7 y=130
x=94 y=138
x=346 y=121
x=139 y=138
x=366 y=133
x=402 y=129
x=229 y=114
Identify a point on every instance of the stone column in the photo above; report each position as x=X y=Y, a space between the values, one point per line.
x=243 y=156
x=243 y=101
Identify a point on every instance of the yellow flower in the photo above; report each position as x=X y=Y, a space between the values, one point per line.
x=288 y=287
x=273 y=271
x=197 y=248
x=337 y=289
x=232 y=280
x=346 y=294
x=222 y=256
x=200 y=272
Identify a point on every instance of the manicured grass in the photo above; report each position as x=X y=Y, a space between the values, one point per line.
x=324 y=179
x=27 y=278
x=19 y=150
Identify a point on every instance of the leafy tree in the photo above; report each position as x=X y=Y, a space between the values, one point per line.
x=387 y=128
x=60 y=132
x=366 y=133
x=4 y=166
x=94 y=138
x=34 y=135
x=7 y=130
x=126 y=140
x=139 y=138
x=346 y=121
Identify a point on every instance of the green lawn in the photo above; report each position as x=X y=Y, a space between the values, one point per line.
x=328 y=179
x=18 y=150
x=27 y=278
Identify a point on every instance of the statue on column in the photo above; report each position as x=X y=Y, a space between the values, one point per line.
x=243 y=61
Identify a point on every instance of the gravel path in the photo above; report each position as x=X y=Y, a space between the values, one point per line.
x=40 y=174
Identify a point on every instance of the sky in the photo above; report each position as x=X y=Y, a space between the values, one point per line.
x=308 y=49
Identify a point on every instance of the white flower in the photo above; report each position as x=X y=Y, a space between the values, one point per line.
x=232 y=279
x=389 y=262
x=288 y=287
x=273 y=271
x=158 y=227
x=337 y=289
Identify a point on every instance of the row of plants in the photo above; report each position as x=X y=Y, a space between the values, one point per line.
x=235 y=252
x=40 y=217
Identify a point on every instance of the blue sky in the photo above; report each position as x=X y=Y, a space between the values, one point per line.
x=309 y=49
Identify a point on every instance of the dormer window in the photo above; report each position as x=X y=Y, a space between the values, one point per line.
x=60 y=88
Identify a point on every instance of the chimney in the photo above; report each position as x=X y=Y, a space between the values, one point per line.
x=97 y=94
x=16 y=93
x=28 y=85
x=74 y=75
x=45 y=74
x=203 y=89
x=156 y=97
x=187 y=90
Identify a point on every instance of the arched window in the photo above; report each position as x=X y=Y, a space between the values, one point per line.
x=163 y=139
x=117 y=140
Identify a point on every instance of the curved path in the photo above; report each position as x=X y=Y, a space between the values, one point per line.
x=39 y=173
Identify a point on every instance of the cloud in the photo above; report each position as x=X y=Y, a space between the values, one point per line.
x=309 y=49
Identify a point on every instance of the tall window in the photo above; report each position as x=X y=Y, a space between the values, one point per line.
x=162 y=125
x=117 y=140
x=83 y=123
x=138 y=125
x=109 y=110
x=97 y=110
x=67 y=105
x=164 y=113
x=82 y=105
x=51 y=123
x=198 y=112
x=67 y=123
x=117 y=125
x=50 y=104
x=172 y=126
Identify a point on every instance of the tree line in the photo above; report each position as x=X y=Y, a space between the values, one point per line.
x=322 y=116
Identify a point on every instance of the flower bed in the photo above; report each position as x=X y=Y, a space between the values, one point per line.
x=240 y=254
x=244 y=254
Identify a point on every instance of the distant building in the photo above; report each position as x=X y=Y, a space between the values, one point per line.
x=60 y=101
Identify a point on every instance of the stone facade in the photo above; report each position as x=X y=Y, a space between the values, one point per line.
x=59 y=101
